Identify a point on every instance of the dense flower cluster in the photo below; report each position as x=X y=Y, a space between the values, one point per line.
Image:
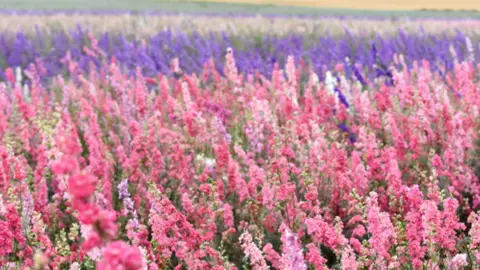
x=323 y=49
x=203 y=171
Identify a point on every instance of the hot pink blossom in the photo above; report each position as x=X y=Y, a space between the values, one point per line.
x=6 y=238
x=81 y=185
x=119 y=255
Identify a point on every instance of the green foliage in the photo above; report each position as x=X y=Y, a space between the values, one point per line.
x=189 y=6
x=476 y=158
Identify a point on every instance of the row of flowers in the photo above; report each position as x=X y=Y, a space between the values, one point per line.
x=146 y=25
x=359 y=54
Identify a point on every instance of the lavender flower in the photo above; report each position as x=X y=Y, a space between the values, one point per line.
x=292 y=252
x=27 y=211
x=22 y=49
x=123 y=190
x=128 y=204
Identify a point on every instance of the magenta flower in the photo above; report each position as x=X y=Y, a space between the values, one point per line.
x=6 y=238
x=119 y=255
x=81 y=185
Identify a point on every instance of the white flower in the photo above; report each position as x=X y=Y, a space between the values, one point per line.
x=2 y=206
x=210 y=162
x=471 y=53
x=26 y=91
x=18 y=75
x=453 y=52
x=75 y=266
x=315 y=79
x=330 y=82
x=144 y=257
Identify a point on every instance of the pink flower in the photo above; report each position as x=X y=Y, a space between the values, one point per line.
x=414 y=227
x=447 y=232
x=106 y=223
x=222 y=155
x=252 y=252
x=81 y=185
x=272 y=256
x=314 y=257
x=92 y=241
x=228 y=215
x=268 y=196
x=312 y=194
x=87 y=213
x=458 y=262
x=474 y=232
x=230 y=68
x=9 y=74
x=120 y=256
x=324 y=233
x=6 y=238
x=187 y=203
x=430 y=221
x=15 y=225
x=65 y=165
x=437 y=162
x=380 y=227
x=348 y=259
x=285 y=191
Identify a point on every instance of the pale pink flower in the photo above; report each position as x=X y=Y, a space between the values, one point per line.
x=252 y=252
x=458 y=262
x=474 y=232
x=348 y=259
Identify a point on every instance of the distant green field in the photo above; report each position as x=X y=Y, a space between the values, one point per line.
x=197 y=7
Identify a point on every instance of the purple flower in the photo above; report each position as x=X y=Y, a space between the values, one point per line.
x=128 y=205
x=292 y=255
x=123 y=189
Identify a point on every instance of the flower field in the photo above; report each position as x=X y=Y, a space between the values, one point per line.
x=240 y=148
